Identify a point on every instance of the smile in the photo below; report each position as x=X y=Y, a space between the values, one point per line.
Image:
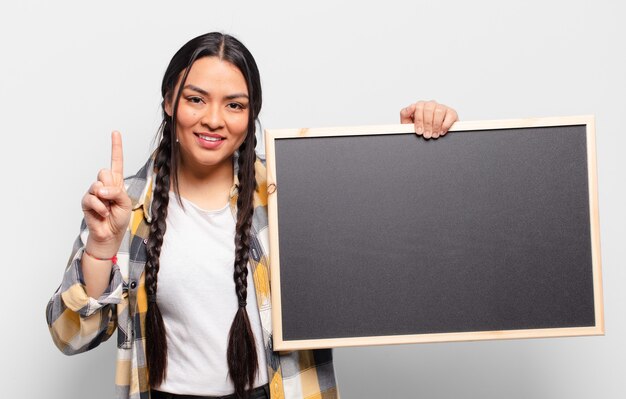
x=209 y=138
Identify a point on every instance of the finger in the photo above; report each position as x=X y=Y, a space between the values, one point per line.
x=438 y=117
x=114 y=194
x=106 y=177
x=451 y=117
x=406 y=114
x=418 y=117
x=93 y=189
x=429 y=112
x=117 y=156
x=91 y=203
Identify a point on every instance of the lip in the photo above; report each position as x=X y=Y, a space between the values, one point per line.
x=219 y=136
x=209 y=145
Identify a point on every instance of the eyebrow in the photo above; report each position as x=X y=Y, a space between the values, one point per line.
x=205 y=93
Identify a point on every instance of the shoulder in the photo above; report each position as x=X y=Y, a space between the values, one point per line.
x=260 y=173
x=137 y=185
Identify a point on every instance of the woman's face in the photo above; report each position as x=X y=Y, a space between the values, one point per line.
x=212 y=118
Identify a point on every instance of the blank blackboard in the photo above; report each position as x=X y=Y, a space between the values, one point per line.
x=380 y=236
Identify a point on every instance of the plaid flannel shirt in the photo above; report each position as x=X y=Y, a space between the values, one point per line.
x=79 y=323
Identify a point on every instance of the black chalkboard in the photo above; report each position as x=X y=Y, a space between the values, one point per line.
x=389 y=234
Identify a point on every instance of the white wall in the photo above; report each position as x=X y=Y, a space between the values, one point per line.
x=72 y=71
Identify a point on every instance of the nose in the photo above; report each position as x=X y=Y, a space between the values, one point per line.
x=213 y=118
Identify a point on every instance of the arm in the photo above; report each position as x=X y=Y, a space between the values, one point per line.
x=78 y=322
x=76 y=319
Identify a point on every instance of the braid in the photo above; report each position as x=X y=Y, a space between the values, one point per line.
x=156 y=343
x=241 y=354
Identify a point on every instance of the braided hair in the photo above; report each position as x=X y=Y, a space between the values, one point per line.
x=241 y=353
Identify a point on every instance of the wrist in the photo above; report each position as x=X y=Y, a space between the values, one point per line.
x=101 y=251
x=113 y=258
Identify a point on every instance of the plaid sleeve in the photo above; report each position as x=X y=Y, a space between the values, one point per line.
x=76 y=321
x=308 y=374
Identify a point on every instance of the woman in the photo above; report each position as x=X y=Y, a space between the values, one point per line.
x=202 y=185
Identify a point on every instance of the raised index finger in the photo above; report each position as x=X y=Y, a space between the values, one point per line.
x=117 y=157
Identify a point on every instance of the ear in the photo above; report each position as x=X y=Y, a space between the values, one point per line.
x=167 y=105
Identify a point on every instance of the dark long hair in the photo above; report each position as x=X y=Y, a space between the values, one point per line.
x=241 y=354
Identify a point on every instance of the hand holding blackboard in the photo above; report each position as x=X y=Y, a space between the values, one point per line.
x=514 y=248
x=430 y=118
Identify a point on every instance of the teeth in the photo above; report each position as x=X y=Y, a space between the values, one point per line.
x=207 y=138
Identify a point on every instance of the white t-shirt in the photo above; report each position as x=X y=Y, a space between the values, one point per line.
x=196 y=296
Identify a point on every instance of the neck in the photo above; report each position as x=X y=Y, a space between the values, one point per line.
x=209 y=188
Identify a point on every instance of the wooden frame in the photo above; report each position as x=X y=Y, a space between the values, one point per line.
x=279 y=344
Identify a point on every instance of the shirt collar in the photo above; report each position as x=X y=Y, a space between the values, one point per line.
x=147 y=175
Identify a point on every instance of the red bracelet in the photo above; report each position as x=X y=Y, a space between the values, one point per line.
x=112 y=259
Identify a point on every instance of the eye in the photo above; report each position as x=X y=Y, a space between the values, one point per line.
x=236 y=106
x=195 y=99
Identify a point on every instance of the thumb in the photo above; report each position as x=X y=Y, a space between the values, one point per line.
x=406 y=114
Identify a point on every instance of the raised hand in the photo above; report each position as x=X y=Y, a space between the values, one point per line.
x=430 y=118
x=106 y=205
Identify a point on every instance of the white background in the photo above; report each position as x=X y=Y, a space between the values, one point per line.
x=71 y=72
